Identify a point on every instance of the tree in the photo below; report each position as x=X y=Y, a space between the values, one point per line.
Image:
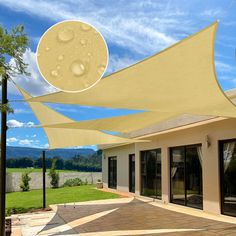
x=54 y=175
x=13 y=45
x=25 y=182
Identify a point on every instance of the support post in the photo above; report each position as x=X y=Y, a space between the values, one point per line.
x=3 y=156
x=44 y=180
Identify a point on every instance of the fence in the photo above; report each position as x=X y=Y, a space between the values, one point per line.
x=13 y=180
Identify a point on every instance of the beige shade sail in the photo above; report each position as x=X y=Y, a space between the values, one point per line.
x=60 y=138
x=180 y=79
x=122 y=124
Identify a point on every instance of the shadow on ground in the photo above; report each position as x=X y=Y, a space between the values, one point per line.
x=131 y=218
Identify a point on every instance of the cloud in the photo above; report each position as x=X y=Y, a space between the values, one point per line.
x=212 y=13
x=26 y=142
x=34 y=84
x=18 y=124
x=12 y=140
x=22 y=111
x=117 y=63
x=223 y=67
x=129 y=27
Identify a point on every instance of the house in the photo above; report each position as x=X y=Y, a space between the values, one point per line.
x=190 y=161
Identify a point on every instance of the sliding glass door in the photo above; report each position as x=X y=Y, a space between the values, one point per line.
x=151 y=173
x=228 y=177
x=132 y=173
x=112 y=172
x=186 y=175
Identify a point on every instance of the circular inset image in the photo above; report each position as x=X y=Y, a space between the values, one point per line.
x=72 y=56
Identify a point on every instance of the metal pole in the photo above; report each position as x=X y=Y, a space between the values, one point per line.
x=44 y=183
x=3 y=156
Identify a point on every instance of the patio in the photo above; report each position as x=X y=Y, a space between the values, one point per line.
x=123 y=216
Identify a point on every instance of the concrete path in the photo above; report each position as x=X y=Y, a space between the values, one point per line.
x=123 y=216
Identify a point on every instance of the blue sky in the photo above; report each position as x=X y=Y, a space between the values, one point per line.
x=133 y=30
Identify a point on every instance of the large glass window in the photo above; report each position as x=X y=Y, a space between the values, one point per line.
x=186 y=175
x=132 y=173
x=228 y=177
x=112 y=172
x=151 y=173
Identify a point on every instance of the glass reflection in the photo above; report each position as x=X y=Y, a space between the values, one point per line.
x=151 y=173
x=228 y=174
x=186 y=175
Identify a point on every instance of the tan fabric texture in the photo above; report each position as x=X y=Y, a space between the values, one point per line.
x=60 y=138
x=180 y=80
x=123 y=124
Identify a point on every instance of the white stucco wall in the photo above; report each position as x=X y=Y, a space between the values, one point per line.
x=219 y=130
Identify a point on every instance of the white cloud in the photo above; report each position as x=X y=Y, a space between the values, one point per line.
x=139 y=26
x=18 y=124
x=26 y=142
x=223 y=67
x=117 y=63
x=212 y=13
x=22 y=111
x=12 y=140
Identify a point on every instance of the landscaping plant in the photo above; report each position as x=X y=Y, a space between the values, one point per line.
x=54 y=175
x=25 y=178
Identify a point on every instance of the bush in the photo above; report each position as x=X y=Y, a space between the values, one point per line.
x=73 y=182
x=54 y=175
x=25 y=182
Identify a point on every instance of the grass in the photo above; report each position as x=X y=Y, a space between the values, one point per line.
x=20 y=202
x=13 y=170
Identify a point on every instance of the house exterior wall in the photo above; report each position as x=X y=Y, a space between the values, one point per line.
x=213 y=132
x=122 y=153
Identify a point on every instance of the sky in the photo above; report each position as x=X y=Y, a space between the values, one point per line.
x=133 y=31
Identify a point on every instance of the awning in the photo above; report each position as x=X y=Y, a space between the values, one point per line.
x=181 y=80
x=60 y=138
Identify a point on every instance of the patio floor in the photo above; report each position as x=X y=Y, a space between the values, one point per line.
x=123 y=216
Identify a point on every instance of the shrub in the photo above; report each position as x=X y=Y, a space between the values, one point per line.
x=25 y=182
x=73 y=182
x=54 y=175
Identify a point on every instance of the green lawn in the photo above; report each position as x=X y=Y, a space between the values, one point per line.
x=19 y=202
x=12 y=170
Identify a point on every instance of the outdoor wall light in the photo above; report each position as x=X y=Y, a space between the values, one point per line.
x=208 y=141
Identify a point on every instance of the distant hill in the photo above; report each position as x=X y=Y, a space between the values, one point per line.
x=18 y=152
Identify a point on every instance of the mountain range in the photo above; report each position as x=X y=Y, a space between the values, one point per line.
x=35 y=153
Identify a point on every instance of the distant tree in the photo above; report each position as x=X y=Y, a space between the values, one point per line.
x=59 y=163
x=24 y=162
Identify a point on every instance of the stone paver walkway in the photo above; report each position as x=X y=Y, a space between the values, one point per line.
x=123 y=216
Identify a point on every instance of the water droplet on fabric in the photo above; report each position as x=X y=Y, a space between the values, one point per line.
x=54 y=73
x=83 y=42
x=65 y=35
x=101 y=69
x=77 y=68
x=85 y=27
x=60 y=57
